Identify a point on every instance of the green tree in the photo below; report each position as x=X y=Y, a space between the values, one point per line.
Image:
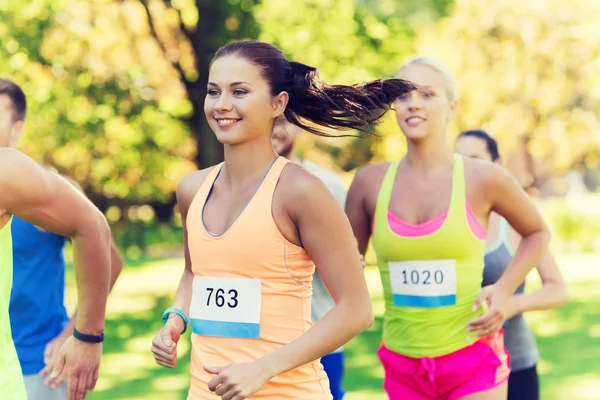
x=348 y=41
x=94 y=113
x=116 y=88
x=527 y=73
x=189 y=33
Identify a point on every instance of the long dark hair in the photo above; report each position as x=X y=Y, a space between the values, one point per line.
x=341 y=107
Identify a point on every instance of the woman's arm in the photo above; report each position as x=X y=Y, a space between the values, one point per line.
x=186 y=190
x=165 y=342
x=510 y=201
x=356 y=208
x=507 y=198
x=326 y=235
x=553 y=292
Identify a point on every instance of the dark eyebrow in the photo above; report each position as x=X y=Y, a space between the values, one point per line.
x=232 y=84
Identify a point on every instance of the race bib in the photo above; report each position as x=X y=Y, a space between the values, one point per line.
x=423 y=284
x=226 y=307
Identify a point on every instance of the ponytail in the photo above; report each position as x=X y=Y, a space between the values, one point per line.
x=339 y=107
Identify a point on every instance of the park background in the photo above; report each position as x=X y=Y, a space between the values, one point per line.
x=115 y=91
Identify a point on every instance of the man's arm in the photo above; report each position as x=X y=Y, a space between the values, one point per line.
x=50 y=202
x=116 y=265
x=116 y=261
x=54 y=346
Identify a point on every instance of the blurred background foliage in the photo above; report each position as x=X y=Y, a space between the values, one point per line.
x=116 y=90
x=116 y=87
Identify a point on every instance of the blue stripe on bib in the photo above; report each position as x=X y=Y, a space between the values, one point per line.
x=240 y=330
x=403 y=300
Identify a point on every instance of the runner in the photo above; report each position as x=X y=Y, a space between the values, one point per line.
x=427 y=214
x=523 y=382
x=50 y=202
x=38 y=317
x=254 y=228
x=284 y=142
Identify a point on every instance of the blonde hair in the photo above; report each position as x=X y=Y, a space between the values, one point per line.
x=450 y=82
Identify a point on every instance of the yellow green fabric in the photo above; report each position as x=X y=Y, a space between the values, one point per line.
x=416 y=331
x=11 y=379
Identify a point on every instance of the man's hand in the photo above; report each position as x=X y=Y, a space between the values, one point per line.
x=79 y=363
x=51 y=354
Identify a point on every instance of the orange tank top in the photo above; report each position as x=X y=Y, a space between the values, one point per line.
x=251 y=294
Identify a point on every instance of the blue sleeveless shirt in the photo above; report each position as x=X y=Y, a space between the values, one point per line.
x=37 y=311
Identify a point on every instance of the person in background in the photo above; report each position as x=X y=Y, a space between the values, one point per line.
x=523 y=382
x=49 y=201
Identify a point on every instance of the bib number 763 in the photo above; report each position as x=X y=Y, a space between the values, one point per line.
x=226 y=307
x=222 y=298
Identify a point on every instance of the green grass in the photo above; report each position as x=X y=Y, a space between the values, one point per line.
x=568 y=337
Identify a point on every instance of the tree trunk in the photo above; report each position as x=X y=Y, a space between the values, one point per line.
x=210 y=34
x=205 y=44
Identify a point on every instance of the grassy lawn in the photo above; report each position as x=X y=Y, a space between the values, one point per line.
x=569 y=338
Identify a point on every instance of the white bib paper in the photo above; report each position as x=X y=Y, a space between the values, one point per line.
x=226 y=307
x=423 y=283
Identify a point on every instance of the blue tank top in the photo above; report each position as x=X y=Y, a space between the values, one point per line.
x=37 y=311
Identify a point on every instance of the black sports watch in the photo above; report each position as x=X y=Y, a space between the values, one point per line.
x=88 y=338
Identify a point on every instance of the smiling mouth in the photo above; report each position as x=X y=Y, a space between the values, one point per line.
x=414 y=121
x=227 y=121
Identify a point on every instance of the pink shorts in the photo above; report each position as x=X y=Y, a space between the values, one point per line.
x=476 y=368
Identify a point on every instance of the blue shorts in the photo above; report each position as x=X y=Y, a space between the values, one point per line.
x=334 y=368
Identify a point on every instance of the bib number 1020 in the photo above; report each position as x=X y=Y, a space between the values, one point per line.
x=423 y=277
x=220 y=298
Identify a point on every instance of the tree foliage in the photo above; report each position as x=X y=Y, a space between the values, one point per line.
x=528 y=72
x=90 y=70
x=116 y=87
x=349 y=41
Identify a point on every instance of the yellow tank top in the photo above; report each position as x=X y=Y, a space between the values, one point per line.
x=430 y=282
x=11 y=378
x=251 y=295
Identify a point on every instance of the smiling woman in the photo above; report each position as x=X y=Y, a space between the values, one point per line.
x=430 y=243
x=255 y=227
